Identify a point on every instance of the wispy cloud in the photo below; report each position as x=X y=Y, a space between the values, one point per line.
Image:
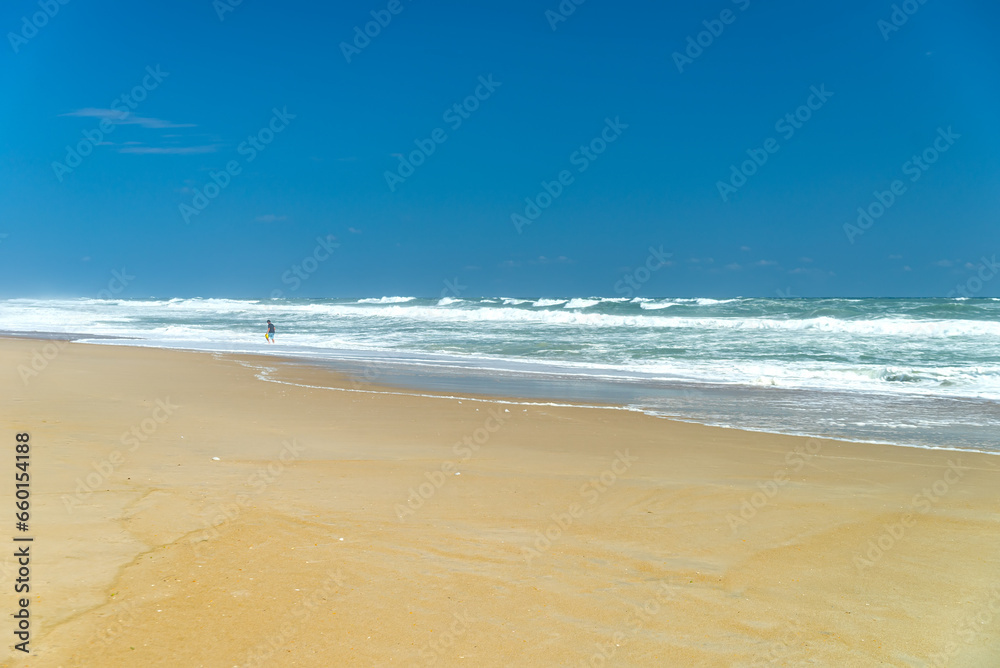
x=120 y=118
x=766 y=263
x=943 y=263
x=168 y=150
x=541 y=259
x=353 y=230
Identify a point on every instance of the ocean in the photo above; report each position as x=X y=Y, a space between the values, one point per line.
x=917 y=372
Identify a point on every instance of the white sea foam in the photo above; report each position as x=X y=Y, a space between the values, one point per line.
x=581 y=303
x=893 y=327
x=884 y=347
x=700 y=301
x=100 y=316
x=385 y=300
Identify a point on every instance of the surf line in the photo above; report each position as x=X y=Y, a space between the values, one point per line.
x=263 y=372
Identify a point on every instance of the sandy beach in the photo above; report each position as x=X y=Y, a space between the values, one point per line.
x=187 y=513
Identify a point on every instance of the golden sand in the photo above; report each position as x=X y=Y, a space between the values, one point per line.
x=361 y=528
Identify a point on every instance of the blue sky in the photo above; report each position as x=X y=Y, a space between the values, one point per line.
x=889 y=92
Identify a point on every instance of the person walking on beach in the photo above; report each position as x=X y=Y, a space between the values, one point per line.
x=270 y=332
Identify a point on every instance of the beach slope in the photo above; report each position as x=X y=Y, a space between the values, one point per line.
x=187 y=512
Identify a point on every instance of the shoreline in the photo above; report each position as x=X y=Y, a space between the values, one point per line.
x=407 y=385
x=333 y=530
x=515 y=401
x=428 y=374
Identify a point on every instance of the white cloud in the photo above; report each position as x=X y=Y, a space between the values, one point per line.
x=168 y=150
x=541 y=259
x=123 y=118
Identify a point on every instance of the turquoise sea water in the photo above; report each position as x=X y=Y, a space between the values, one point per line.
x=909 y=371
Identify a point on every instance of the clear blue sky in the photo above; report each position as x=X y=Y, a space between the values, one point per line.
x=656 y=185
